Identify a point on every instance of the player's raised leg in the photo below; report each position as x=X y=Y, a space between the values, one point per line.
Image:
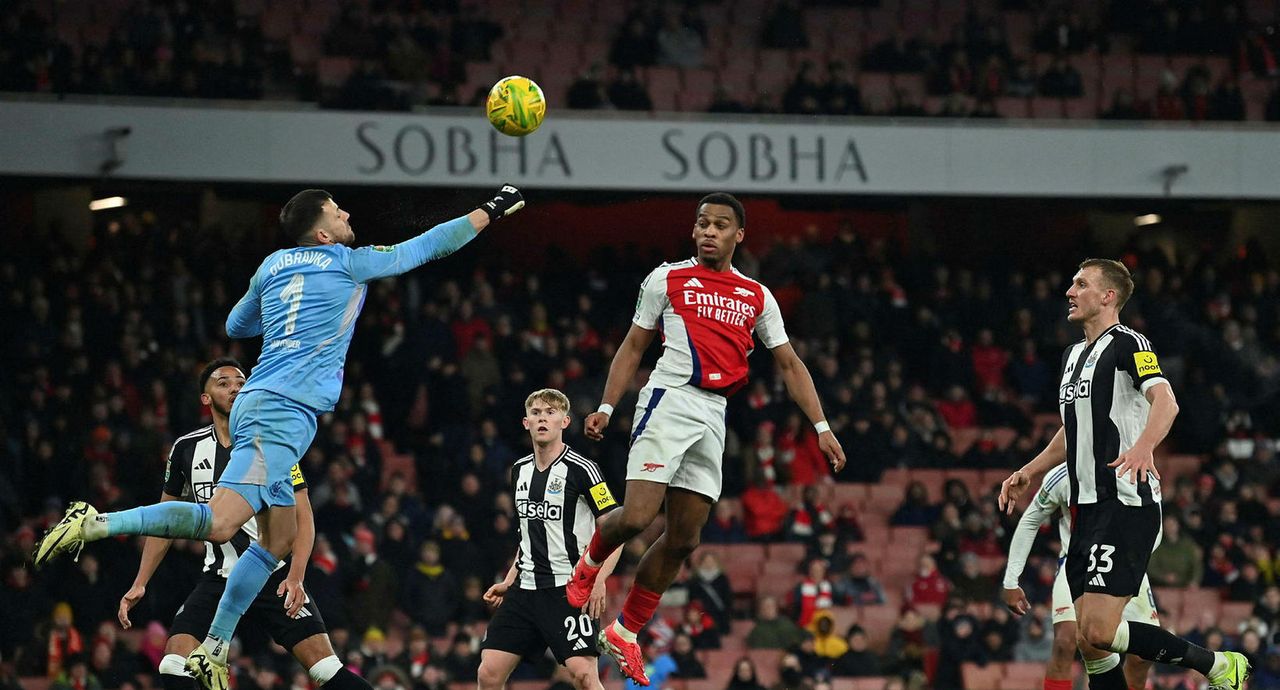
x=215 y=521
x=644 y=500
x=1102 y=625
x=687 y=512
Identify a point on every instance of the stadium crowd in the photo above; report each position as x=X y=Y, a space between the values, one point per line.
x=783 y=58
x=99 y=371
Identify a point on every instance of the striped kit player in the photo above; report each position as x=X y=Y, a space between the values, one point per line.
x=1117 y=407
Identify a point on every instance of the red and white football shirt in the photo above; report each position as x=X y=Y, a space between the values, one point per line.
x=707 y=319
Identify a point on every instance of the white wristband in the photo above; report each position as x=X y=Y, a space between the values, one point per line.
x=606 y=408
x=822 y=427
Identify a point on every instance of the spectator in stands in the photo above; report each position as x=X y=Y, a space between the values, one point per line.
x=840 y=95
x=804 y=95
x=858 y=661
x=764 y=511
x=1168 y=103
x=929 y=587
x=744 y=676
x=1036 y=641
x=955 y=106
x=897 y=54
x=709 y=586
x=810 y=519
x=1061 y=80
x=627 y=93
x=1248 y=586
x=430 y=592
x=679 y=44
x=772 y=630
x=910 y=639
x=686 y=659
x=960 y=644
x=635 y=46
x=1177 y=561
x=1123 y=107
x=859 y=587
x=785 y=27
x=659 y=665
x=699 y=626
x=1022 y=81
x=725 y=102
x=77 y=676
x=826 y=642
x=1268 y=608
x=916 y=510
x=814 y=593
x=724 y=527
x=462 y=661
x=906 y=105
x=1065 y=32
x=587 y=91
x=831 y=548
x=1228 y=101
x=64 y=643
x=970 y=584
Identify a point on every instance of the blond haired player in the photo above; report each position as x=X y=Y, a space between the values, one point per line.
x=560 y=497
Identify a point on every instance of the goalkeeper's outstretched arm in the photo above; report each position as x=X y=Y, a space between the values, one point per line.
x=371 y=263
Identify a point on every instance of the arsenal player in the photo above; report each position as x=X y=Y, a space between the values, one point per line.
x=708 y=313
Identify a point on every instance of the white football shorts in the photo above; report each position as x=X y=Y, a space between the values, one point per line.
x=677 y=439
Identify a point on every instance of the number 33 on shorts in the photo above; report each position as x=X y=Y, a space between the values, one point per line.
x=1100 y=558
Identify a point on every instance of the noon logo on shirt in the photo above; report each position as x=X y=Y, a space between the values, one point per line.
x=538 y=510
x=601 y=495
x=1146 y=363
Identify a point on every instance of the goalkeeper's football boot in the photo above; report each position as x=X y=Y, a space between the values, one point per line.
x=66 y=536
x=207 y=670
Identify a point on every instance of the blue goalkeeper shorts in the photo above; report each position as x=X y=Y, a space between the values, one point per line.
x=269 y=435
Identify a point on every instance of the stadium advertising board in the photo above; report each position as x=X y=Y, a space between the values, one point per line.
x=582 y=151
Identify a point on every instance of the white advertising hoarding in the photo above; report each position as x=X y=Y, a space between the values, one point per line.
x=578 y=151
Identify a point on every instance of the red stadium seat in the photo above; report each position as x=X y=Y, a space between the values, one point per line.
x=1169 y=602
x=1012 y=107
x=1046 y=108
x=785 y=552
x=977 y=677
x=1023 y=676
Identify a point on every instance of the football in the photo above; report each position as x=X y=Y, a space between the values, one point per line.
x=516 y=106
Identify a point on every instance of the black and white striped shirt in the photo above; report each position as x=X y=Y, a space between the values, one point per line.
x=1102 y=399
x=196 y=461
x=557 y=510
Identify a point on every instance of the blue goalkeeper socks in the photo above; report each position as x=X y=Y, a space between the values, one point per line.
x=171 y=519
x=243 y=585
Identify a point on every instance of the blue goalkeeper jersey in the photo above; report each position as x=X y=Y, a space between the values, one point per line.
x=304 y=301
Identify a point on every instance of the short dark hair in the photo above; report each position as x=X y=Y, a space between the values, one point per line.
x=299 y=216
x=1117 y=276
x=216 y=365
x=726 y=199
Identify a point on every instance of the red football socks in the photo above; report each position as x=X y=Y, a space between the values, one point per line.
x=597 y=550
x=638 y=608
x=1057 y=684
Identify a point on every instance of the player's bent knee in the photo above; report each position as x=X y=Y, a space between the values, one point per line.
x=489 y=676
x=633 y=521
x=1096 y=633
x=584 y=679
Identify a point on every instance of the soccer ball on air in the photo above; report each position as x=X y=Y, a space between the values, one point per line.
x=516 y=106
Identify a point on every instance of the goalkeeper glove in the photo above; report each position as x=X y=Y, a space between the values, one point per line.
x=506 y=202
